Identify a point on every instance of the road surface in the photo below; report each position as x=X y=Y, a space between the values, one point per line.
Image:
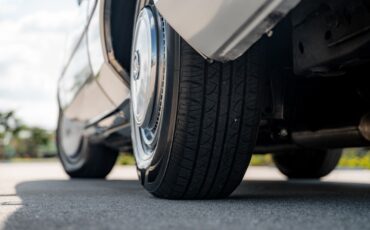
x=40 y=196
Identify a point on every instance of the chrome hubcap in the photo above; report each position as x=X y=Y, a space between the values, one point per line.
x=144 y=68
x=71 y=133
x=146 y=62
x=136 y=70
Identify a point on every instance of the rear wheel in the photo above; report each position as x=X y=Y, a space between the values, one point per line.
x=307 y=164
x=194 y=123
x=81 y=158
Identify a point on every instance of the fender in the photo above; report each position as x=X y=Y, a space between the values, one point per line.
x=223 y=30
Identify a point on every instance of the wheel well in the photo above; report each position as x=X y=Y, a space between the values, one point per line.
x=121 y=23
x=318 y=80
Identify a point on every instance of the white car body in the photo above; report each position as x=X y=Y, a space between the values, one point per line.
x=223 y=30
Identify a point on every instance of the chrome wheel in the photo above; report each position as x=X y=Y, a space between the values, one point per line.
x=80 y=157
x=71 y=133
x=147 y=70
x=193 y=133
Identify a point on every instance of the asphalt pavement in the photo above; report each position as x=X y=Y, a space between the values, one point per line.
x=40 y=196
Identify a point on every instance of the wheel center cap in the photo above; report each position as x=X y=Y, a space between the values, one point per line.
x=144 y=68
x=136 y=65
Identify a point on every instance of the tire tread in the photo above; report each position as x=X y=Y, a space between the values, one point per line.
x=217 y=119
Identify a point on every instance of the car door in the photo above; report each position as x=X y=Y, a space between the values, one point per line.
x=80 y=96
x=110 y=81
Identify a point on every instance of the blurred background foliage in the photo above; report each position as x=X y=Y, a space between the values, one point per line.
x=19 y=141
x=351 y=158
x=355 y=158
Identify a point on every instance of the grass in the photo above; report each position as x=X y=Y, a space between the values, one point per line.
x=126 y=159
x=29 y=160
x=355 y=158
x=358 y=158
x=257 y=160
x=352 y=158
x=262 y=160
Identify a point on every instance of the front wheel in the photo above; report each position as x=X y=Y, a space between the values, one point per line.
x=194 y=123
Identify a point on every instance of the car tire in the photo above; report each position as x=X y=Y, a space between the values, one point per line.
x=90 y=160
x=307 y=164
x=207 y=125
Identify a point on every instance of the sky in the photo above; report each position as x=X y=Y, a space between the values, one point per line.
x=33 y=35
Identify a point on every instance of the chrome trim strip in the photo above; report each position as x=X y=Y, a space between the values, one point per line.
x=107 y=44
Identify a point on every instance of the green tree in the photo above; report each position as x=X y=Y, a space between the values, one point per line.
x=17 y=139
x=9 y=127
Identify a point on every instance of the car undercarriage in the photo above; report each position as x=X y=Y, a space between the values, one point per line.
x=318 y=85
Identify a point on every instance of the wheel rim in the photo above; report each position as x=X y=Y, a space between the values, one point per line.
x=146 y=85
x=71 y=136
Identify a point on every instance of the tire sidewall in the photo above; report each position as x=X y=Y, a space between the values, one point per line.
x=153 y=173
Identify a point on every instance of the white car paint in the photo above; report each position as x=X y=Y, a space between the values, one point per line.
x=223 y=29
